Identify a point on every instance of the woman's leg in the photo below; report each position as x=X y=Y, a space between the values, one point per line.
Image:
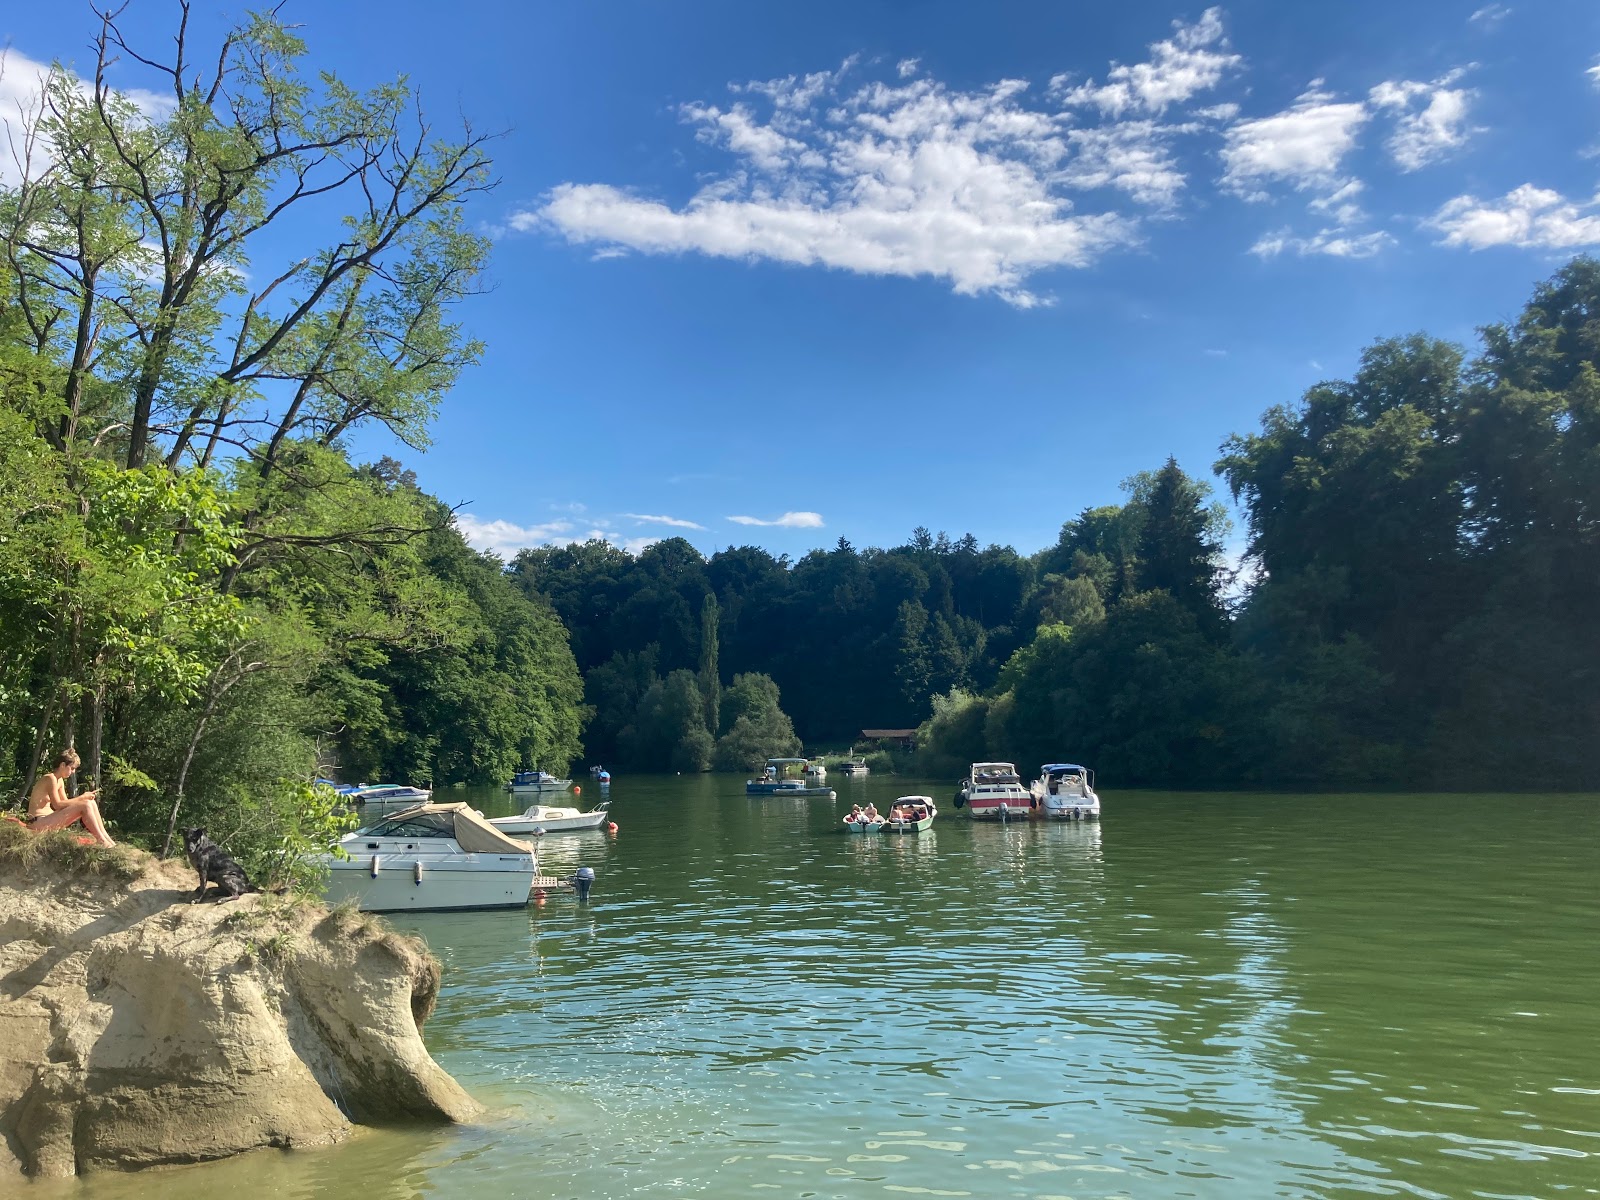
x=71 y=813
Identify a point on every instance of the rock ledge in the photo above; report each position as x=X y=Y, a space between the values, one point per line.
x=137 y=1029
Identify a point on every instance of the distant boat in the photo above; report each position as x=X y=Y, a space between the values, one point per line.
x=1065 y=792
x=385 y=793
x=537 y=781
x=778 y=779
x=816 y=771
x=853 y=768
x=993 y=791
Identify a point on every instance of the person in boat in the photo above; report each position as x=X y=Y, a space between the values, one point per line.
x=870 y=814
x=49 y=807
x=855 y=816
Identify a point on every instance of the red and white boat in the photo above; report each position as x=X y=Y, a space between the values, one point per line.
x=993 y=791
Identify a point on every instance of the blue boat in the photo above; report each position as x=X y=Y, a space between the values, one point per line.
x=776 y=780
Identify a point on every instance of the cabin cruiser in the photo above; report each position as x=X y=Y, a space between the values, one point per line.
x=430 y=857
x=1065 y=792
x=537 y=781
x=782 y=777
x=854 y=767
x=993 y=791
x=540 y=819
x=816 y=771
x=385 y=793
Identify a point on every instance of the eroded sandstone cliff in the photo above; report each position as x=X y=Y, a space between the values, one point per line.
x=137 y=1029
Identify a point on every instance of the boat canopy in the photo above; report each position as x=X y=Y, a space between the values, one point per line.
x=994 y=768
x=463 y=823
x=1062 y=767
x=783 y=762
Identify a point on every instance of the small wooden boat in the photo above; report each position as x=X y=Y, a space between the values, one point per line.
x=910 y=814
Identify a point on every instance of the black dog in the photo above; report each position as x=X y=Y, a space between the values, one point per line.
x=215 y=865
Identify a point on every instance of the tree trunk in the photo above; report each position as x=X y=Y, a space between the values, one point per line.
x=97 y=717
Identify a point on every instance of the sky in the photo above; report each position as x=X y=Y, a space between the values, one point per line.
x=781 y=274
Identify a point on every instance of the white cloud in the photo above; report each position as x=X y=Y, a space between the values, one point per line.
x=505 y=538
x=789 y=520
x=1340 y=206
x=1433 y=119
x=1490 y=15
x=675 y=522
x=1527 y=217
x=1215 y=353
x=22 y=86
x=1594 y=73
x=637 y=545
x=1133 y=157
x=909 y=177
x=1193 y=60
x=1302 y=146
x=1333 y=243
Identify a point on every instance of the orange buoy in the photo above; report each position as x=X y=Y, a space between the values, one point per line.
x=611 y=826
x=577 y=791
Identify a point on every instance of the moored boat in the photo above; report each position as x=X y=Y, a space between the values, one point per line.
x=548 y=818
x=993 y=791
x=537 y=781
x=910 y=814
x=385 y=793
x=1065 y=792
x=781 y=777
x=854 y=768
x=430 y=857
x=863 y=820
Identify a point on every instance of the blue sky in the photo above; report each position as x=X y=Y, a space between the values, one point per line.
x=858 y=267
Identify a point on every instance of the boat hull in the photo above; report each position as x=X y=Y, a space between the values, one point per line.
x=561 y=785
x=908 y=826
x=985 y=809
x=756 y=788
x=465 y=881
x=864 y=826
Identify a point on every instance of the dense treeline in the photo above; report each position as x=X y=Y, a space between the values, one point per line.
x=200 y=302
x=1417 y=606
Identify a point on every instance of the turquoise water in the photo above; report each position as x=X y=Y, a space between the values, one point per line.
x=1204 y=996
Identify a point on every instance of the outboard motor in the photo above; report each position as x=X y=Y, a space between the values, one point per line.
x=582 y=881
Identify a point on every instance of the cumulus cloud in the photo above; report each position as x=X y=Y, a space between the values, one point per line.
x=505 y=538
x=1193 y=60
x=1303 y=146
x=910 y=177
x=22 y=87
x=789 y=520
x=1331 y=243
x=1433 y=118
x=1527 y=217
x=675 y=522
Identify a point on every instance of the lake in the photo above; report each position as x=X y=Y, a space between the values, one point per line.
x=1205 y=995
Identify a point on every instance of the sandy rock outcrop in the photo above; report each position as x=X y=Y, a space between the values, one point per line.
x=137 y=1029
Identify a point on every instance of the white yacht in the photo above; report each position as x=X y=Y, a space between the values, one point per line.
x=993 y=791
x=538 y=781
x=1065 y=792
x=429 y=857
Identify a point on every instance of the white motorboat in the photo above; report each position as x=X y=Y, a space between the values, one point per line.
x=853 y=768
x=816 y=771
x=539 y=819
x=429 y=857
x=993 y=791
x=386 y=793
x=537 y=781
x=1065 y=792
x=911 y=814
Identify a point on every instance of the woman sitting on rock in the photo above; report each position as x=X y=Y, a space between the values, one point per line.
x=49 y=807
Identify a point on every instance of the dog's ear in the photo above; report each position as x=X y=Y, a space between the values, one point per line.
x=194 y=835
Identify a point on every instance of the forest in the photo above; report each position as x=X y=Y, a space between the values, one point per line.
x=1415 y=608
x=202 y=304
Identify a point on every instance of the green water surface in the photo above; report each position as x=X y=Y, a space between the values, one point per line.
x=1204 y=996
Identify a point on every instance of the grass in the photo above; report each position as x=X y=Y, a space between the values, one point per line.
x=61 y=848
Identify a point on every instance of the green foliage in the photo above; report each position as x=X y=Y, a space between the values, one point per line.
x=759 y=728
x=285 y=825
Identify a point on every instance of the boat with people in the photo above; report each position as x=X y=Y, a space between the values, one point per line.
x=863 y=820
x=786 y=777
x=430 y=857
x=854 y=768
x=539 y=819
x=600 y=775
x=910 y=814
x=1065 y=792
x=537 y=781
x=385 y=793
x=993 y=791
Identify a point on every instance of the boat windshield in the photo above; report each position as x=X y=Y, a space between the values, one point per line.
x=418 y=825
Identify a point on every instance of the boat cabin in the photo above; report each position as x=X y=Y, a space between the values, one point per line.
x=1066 y=779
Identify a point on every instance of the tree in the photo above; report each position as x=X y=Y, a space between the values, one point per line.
x=710 y=681
x=1177 y=549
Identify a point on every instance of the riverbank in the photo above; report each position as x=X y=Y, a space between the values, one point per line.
x=139 y=1030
